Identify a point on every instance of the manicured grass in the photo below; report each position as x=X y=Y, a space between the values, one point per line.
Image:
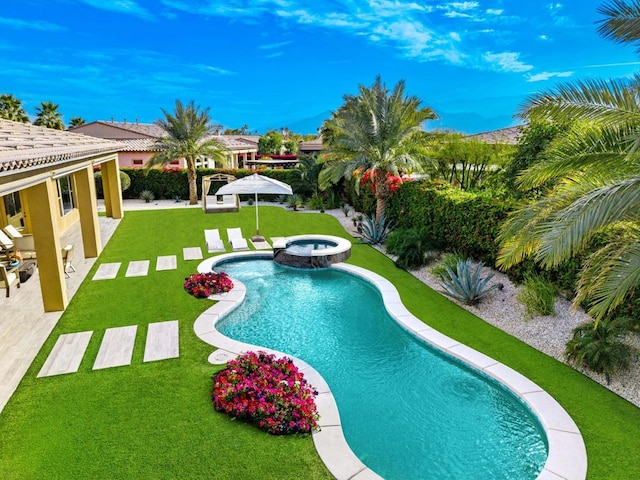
x=155 y=420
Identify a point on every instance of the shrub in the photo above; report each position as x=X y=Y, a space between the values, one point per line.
x=466 y=285
x=295 y=202
x=412 y=247
x=600 y=346
x=267 y=391
x=538 y=296
x=315 y=203
x=448 y=260
x=147 y=196
x=374 y=232
x=202 y=285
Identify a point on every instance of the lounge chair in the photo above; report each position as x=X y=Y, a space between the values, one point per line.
x=24 y=243
x=237 y=241
x=7 y=247
x=9 y=278
x=214 y=243
x=67 y=252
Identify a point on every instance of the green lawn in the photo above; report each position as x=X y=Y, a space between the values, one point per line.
x=156 y=421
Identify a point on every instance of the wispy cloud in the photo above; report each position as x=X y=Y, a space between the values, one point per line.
x=216 y=70
x=274 y=55
x=271 y=46
x=506 y=62
x=542 y=76
x=605 y=65
x=41 y=25
x=128 y=7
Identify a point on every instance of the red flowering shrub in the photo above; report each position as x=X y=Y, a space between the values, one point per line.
x=393 y=181
x=268 y=391
x=201 y=285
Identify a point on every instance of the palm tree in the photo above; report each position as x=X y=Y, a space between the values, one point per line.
x=47 y=115
x=11 y=109
x=593 y=174
x=76 y=122
x=377 y=131
x=189 y=132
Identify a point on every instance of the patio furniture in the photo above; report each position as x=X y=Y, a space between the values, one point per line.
x=218 y=203
x=214 y=243
x=9 y=278
x=67 y=252
x=7 y=247
x=26 y=270
x=23 y=242
x=236 y=239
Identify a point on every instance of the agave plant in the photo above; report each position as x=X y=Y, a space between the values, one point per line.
x=600 y=346
x=465 y=284
x=374 y=232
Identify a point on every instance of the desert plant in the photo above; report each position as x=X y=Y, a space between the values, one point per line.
x=448 y=260
x=538 y=296
x=282 y=199
x=600 y=346
x=147 y=196
x=412 y=246
x=346 y=210
x=315 y=203
x=295 y=202
x=375 y=232
x=465 y=284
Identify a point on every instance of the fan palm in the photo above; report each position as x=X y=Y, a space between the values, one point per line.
x=188 y=136
x=76 y=122
x=11 y=109
x=378 y=131
x=594 y=172
x=47 y=115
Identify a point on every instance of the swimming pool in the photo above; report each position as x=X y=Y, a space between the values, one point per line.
x=398 y=399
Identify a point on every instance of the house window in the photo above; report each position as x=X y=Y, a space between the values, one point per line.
x=66 y=199
x=137 y=161
x=12 y=204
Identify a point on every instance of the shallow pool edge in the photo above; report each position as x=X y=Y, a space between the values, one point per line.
x=567 y=456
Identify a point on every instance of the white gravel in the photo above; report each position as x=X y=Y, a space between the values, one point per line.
x=548 y=334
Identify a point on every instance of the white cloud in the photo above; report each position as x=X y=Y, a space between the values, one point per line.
x=455 y=36
x=506 y=62
x=41 y=25
x=216 y=70
x=494 y=11
x=542 y=76
x=274 y=45
x=128 y=7
x=543 y=37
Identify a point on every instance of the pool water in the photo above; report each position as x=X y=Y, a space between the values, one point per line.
x=407 y=411
x=306 y=247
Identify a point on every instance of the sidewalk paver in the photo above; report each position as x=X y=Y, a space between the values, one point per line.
x=66 y=355
x=138 y=269
x=107 y=271
x=167 y=262
x=162 y=341
x=192 y=253
x=116 y=348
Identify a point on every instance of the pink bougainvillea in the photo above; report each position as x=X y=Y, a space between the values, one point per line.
x=393 y=181
x=267 y=391
x=201 y=285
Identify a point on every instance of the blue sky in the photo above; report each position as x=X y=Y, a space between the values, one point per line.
x=276 y=63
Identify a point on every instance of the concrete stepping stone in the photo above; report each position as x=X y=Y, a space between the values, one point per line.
x=260 y=245
x=192 y=253
x=167 y=262
x=138 y=269
x=116 y=348
x=162 y=341
x=107 y=271
x=66 y=355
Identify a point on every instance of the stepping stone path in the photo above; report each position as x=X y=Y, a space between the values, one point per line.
x=107 y=271
x=138 y=269
x=66 y=355
x=115 y=350
x=168 y=262
x=162 y=341
x=192 y=253
x=260 y=245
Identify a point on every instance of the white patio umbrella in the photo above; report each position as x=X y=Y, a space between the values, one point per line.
x=256 y=184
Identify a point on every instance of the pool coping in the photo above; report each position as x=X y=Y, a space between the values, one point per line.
x=567 y=456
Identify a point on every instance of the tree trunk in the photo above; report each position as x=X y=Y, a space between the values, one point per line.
x=382 y=192
x=191 y=176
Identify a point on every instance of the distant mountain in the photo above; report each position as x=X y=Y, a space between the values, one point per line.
x=304 y=126
x=470 y=122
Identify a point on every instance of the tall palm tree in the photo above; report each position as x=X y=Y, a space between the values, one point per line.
x=47 y=115
x=11 y=109
x=377 y=130
x=594 y=173
x=188 y=136
x=76 y=122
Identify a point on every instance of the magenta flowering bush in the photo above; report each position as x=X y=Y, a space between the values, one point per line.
x=267 y=391
x=201 y=285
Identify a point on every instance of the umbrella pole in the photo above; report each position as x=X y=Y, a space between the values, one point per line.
x=257 y=237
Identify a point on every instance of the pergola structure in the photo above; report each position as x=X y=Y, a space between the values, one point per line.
x=47 y=186
x=215 y=203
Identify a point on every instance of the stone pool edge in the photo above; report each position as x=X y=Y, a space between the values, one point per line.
x=567 y=457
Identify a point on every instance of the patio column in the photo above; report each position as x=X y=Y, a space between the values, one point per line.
x=44 y=208
x=88 y=209
x=111 y=188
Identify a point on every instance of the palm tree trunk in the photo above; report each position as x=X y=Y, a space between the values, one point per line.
x=191 y=177
x=382 y=192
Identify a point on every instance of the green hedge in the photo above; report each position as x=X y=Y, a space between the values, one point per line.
x=461 y=221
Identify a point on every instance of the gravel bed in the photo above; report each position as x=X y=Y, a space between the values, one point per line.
x=548 y=334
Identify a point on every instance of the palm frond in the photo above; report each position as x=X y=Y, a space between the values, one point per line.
x=621 y=22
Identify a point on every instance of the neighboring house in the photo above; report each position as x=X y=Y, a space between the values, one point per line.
x=138 y=143
x=507 y=135
x=47 y=186
x=311 y=146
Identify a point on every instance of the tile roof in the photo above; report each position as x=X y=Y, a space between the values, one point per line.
x=507 y=135
x=138 y=145
x=23 y=145
x=146 y=129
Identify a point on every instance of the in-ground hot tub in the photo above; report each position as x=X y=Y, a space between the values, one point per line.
x=311 y=251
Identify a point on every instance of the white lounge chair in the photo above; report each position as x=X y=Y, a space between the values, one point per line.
x=214 y=243
x=9 y=278
x=237 y=241
x=7 y=247
x=24 y=243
